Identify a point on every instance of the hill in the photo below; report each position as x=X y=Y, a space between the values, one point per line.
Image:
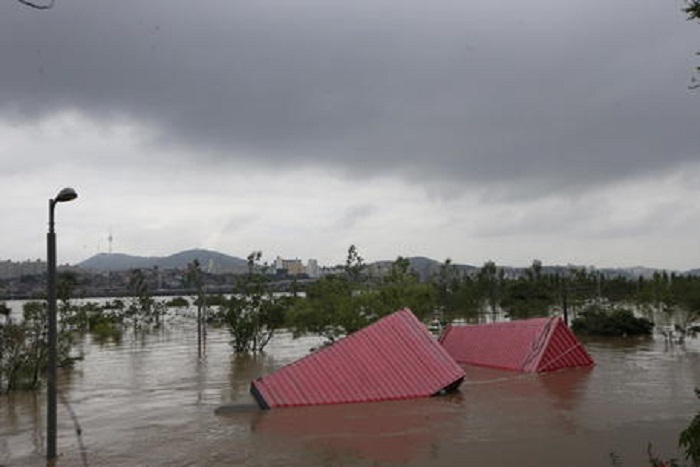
x=217 y=263
x=210 y=261
x=424 y=267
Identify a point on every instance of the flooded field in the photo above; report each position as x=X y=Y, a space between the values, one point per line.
x=150 y=401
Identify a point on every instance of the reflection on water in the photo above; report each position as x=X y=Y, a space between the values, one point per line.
x=149 y=400
x=389 y=432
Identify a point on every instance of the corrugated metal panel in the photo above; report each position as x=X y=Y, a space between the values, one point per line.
x=506 y=345
x=532 y=345
x=563 y=350
x=394 y=358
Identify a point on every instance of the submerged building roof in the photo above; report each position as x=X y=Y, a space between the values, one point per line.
x=531 y=345
x=394 y=358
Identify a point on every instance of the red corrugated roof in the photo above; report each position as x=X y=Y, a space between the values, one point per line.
x=532 y=345
x=394 y=358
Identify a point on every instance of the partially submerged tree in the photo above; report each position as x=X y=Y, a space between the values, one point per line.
x=253 y=313
x=490 y=280
x=401 y=288
x=686 y=298
x=340 y=304
x=529 y=296
x=615 y=322
x=142 y=310
x=23 y=349
x=457 y=294
x=194 y=278
x=329 y=309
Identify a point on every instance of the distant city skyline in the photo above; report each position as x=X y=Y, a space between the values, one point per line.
x=310 y=266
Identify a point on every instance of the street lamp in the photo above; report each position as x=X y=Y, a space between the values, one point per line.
x=66 y=194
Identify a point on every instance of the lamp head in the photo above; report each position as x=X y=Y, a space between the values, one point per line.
x=66 y=194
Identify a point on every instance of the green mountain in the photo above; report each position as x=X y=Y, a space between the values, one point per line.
x=424 y=267
x=210 y=261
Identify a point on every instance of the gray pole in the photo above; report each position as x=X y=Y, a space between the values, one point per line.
x=51 y=376
x=66 y=194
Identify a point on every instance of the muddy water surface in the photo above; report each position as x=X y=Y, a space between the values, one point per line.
x=150 y=401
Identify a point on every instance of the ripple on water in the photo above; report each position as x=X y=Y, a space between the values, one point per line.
x=150 y=400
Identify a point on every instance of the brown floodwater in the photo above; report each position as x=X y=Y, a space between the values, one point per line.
x=150 y=401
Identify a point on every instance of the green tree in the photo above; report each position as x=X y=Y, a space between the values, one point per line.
x=194 y=277
x=457 y=294
x=529 y=296
x=70 y=319
x=253 y=313
x=401 y=288
x=619 y=289
x=330 y=309
x=689 y=438
x=527 y=299
x=619 y=322
x=577 y=289
x=23 y=349
x=66 y=284
x=661 y=293
x=692 y=9
x=685 y=291
x=671 y=300
x=445 y=282
x=490 y=280
x=355 y=268
x=142 y=309
x=336 y=305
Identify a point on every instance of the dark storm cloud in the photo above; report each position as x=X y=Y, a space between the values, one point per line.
x=355 y=214
x=540 y=96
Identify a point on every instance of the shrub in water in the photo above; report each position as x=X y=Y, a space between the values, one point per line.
x=616 y=322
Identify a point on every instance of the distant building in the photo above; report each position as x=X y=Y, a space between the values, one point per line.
x=312 y=269
x=11 y=269
x=292 y=267
x=332 y=270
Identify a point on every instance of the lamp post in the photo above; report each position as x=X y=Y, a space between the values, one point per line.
x=66 y=194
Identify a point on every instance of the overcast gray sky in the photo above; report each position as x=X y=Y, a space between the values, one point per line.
x=474 y=130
